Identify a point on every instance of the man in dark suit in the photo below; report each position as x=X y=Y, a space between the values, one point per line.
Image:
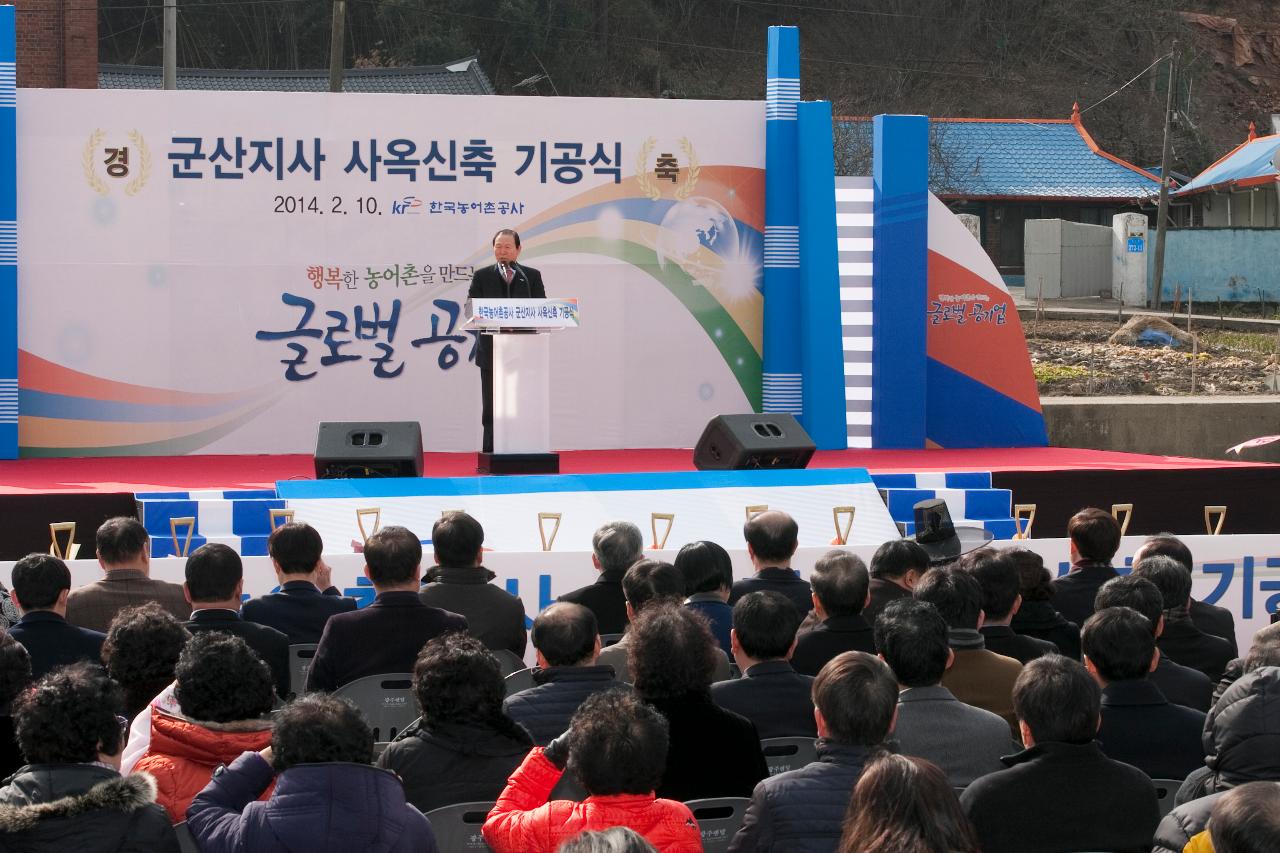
x=215 y=581
x=299 y=610
x=840 y=593
x=896 y=567
x=504 y=280
x=770 y=693
x=460 y=584
x=1139 y=726
x=386 y=636
x=1207 y=617
x=40 y=587
x=1181 y=639
x=124 y=552
x=1095 y=537
x=997 y=574
x=772 y=538
x=615 y=547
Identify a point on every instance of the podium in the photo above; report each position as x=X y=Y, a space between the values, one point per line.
x=520 y=330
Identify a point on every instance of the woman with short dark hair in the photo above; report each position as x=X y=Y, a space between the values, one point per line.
x=1037 y=617
x=141 y=651
x=905 y=805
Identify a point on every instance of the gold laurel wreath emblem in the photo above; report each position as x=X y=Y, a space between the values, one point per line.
x=144 y=164
x=691 y=172
x=89 y=162
x=644 y=178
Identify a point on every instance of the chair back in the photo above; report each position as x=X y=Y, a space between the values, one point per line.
x=520 y=680
x=788 y=753
x=1166 y=789
x=186 y=841
x=300 y=656
x=387 y=702
x=457 y=827
x=718 y=820
x=509 y=660
x=607 y=640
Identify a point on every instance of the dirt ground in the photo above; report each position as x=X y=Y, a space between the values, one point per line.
x=1072 y=358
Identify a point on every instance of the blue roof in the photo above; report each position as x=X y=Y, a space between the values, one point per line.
x=1254 y=162
x=1019 y=158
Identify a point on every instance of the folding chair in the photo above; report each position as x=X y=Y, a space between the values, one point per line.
x=718 y=820
x=457 y=827
x=510 y=661
x=788 y=753
x=520 y=680
x=387 y=702
x=1166 y=789
x=186 y=842
x=300 y=655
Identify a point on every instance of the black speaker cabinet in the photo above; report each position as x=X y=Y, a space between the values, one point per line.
x=753 y=441
x=348 y=450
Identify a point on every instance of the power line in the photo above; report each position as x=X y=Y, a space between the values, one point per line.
x=1132 y=80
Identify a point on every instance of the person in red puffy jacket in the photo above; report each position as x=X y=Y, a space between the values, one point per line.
x=225 y=693
x=616 y=746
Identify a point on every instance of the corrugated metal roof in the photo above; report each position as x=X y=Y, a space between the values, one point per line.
x=464 y=77
x=1250 y=164
x=1020 y=158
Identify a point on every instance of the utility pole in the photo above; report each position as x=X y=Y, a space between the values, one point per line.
x=1157 y=277
x=336 y=36
x=169 y=75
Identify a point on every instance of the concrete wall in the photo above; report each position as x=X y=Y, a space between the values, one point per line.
x=1067 y=259
x=1202 y=427
x=1258 y=207
x=1231 y=264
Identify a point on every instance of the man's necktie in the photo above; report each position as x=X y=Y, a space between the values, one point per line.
x=506 y=274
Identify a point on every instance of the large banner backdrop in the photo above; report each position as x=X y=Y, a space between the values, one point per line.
x=217 y=272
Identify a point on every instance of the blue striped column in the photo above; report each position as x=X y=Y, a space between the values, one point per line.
x=8 y=237
x=782 y=362
x=900 y=256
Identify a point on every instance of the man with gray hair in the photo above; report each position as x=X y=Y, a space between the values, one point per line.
x=615 y=547
x=841 y=590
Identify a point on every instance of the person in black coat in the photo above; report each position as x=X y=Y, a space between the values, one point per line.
x=1181 y=639
x=770 y=694
x=41 y=584
x=215 y=581
x=1209 y=618
x=896 y=568
x=772 y=538
x=841 y=591
x=300 y=609
x=1095 y=538
x=997 y=574
x=15 y=677
x=505 y=279
x=615 y=547
x=1037 y=616
x=464 y=746
x=567 y=646
x=1061 y=792
x=712 y=752
x=1139 y=726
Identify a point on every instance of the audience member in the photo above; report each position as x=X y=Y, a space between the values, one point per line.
x=772 y=538
x=997 y=575
x=215 y=581
x=307 y=596
x=713 y=752
x=15 y=677
x=965 y=741
x=841 y=590
x=618 y=839
x=1061 y=793
x=141 y=652
x=1247 y=819
x=770 y=694
x=463 y=747
x=224 y=692
x=801 y=811
x=9 y=614
x=905 y=805
x=1264 y=651
x=615 y=746
x=124 y=553
x=386 y=636
x=1095 y=538
x=1241 y=744
x=615 y=547
x=1037 y=616
x=567 y=645
x=41 y=584
x=708 y=577
x=896 y=567
x=1209 y=618
x=1181 y=640
x=1181 y=685
x=977 y=676
x=327 y=797
x=70 y=795
x=1139 y=726
x=460 y=584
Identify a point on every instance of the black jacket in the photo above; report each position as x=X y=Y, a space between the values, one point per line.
x=1003 y=641
x=711 y=752
x=298 y=610
x=604 y=598
x=271 y=645
x=545 y=709
x=1186 y=644
x=82 y=808
x=1038 y=619
x=1215 y=620
x=1076 y=590
x=494 y=616
x=772 y=695
x=1061 y=796
x=487 y=283
x=1142 y=728
x=828 y=639
x=882 y=592
x=801 y=810
x=777 y=579
x=1183 y=685
x=52 y=641
x=455 y=763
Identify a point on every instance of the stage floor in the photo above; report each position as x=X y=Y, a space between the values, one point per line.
x=184 y=473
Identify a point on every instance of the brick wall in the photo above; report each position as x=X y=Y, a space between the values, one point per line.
x=57 y=43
